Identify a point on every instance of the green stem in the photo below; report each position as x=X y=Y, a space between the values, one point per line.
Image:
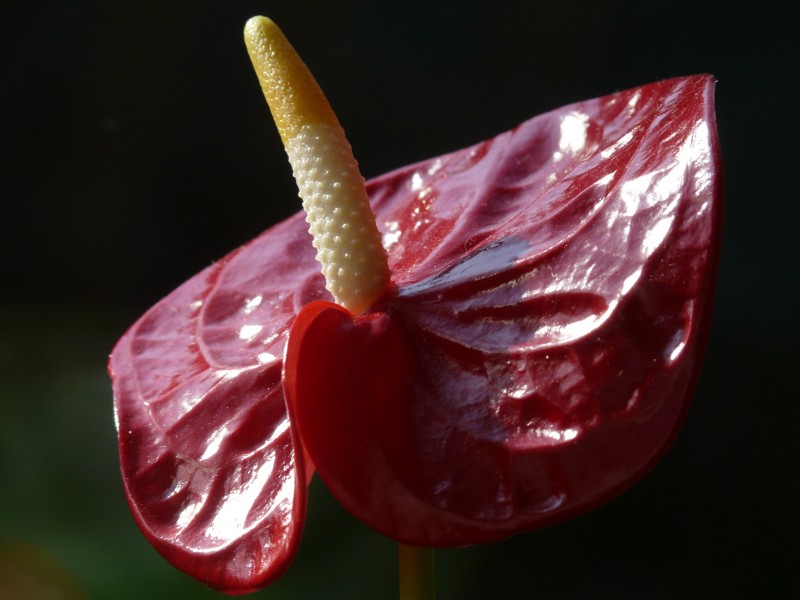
x=417 y=581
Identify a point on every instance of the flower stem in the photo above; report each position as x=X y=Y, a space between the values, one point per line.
x=417 y=579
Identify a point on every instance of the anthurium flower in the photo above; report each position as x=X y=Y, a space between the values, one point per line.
x=529 y=352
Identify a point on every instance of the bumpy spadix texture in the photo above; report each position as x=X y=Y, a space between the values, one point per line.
x=535 y=357
x=336 y=204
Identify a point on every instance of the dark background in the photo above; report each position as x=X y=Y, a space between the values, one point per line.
x=137 y=148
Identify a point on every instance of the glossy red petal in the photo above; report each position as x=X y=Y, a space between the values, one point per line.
x=208 y=456
x=552 y=298
x=552 y=304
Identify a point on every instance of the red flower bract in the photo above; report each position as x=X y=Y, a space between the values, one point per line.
x=534 y=356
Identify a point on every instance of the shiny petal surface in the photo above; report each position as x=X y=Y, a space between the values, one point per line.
x=535 y=354
x=209 y=459
x=552 y=303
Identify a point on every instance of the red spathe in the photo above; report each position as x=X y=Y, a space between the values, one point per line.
x=534 y=356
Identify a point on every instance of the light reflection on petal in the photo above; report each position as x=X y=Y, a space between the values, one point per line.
x=392 y=235
x=634 y=100
x=214 y=442
x=517 y=392
x=620 y=143
x=630 y=281
x=435 y=167
x=252 y=303
x=656 y=235
x=248 y=332
x=266 y=357
x=573 y=133
x=573 y=330
x=229 y=373
x=232 y=516
x=557 y=435
x=634 y=191
x=279 y=430
x=187 y=514
x=189 y=400
x=676 y=351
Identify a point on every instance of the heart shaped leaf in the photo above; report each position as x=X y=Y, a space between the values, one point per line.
x=552 y=302
x=534 y=356
x=210 y=463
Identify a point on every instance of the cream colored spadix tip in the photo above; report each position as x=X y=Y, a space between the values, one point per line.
x=337 y=207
